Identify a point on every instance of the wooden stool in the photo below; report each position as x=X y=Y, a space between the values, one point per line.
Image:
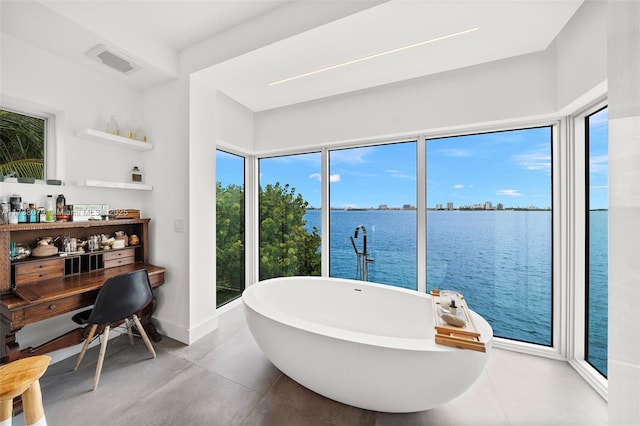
x=21 y=377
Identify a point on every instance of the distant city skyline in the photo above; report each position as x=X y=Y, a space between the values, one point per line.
x=512 y=168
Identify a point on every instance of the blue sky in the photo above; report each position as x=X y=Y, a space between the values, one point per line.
x=599 y=160
x=511 y=167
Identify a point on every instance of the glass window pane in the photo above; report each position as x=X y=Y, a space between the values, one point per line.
x=597 y=236
x=230 y=241
x=373 y=200
x=290 y=190
x=489 y=230
x=21 y=145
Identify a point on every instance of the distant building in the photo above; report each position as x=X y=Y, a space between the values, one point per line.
x=383 y=207
x=487 y=205
x=439 y=207
x=408 y=207
x=500 y=206
x=450 y=205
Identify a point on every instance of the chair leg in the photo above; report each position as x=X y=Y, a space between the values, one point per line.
x=143 y=334
x=92 y=332
x=128 y=325
x=103 y=349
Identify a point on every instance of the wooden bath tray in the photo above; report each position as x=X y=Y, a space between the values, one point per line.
x=466 y=337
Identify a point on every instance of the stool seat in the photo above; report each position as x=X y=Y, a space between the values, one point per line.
x=18 y=375
x=21 y=377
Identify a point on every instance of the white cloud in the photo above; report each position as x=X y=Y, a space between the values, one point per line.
x=399 y=174
x=332 y=178
x=453 y=152
x=599 y=164
x=350 y=156
x=535 y=160
x=458 y=186
x=509 y=192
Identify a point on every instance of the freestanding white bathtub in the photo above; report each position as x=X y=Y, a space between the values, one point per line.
x=363 y=344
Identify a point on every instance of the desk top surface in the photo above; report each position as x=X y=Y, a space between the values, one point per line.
x=57 y=288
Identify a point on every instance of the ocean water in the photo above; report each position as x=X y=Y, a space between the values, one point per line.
x=500 y=261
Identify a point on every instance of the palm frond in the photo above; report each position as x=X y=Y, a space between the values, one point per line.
x=30 y=167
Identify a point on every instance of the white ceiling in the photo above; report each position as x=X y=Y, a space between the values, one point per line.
x=154 y=32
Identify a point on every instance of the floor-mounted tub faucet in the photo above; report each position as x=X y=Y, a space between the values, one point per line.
x=362 y=256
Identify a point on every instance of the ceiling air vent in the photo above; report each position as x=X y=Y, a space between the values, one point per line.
x=113 y=59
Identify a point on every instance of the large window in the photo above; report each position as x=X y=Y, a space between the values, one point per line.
x=289 y=224
x=597 y=237
x=489 y=227
x=373 y=214
x=230 y=229
x=22 y=145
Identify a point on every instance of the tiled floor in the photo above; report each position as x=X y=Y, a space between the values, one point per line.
x=224 y=379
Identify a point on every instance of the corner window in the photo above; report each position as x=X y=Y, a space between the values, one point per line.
x=22 y=145
x=597 y=220
x=230 y=229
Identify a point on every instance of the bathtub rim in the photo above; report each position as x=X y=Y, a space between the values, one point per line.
x=251 y=301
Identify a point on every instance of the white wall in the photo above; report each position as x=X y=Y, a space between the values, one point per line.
x=234 y=123
x=581 y=49
x=624 y=211
x=203 y=125
x=81 y=98
x=166 y=110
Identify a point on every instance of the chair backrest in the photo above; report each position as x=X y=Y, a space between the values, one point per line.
x=120 y=297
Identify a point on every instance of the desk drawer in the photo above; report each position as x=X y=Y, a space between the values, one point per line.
x=119 y=258
x=38 y=271
x=57 y=307
x=119 y=254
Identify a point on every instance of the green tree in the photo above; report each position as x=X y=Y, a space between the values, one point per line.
x=286 y=247
x=230 y=237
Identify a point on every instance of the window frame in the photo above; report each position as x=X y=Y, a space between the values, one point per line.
x=578 y=246
x=52 y=159
x=247 y=216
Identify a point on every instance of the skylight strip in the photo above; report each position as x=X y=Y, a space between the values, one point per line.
x=376 y=55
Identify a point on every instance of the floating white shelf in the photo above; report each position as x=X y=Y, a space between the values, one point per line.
x=118 y=185
x=109 y=139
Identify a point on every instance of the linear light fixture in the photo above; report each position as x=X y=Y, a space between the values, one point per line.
x=376 y=55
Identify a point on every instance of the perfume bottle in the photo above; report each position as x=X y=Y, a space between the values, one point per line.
x=136 y=175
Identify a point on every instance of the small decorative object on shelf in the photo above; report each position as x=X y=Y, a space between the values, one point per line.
x=112 y=126
x=138 y=134
x=136 y=175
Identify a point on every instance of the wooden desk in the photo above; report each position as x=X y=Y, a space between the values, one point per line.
x=39 y=289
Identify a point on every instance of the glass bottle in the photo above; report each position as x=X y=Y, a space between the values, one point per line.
x=112 y=126
x=60 y=204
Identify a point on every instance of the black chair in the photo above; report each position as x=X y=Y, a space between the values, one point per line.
x=119 y=299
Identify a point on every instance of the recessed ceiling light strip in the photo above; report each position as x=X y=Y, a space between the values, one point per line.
x=366 y=58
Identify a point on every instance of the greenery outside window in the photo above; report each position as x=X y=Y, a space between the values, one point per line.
x=289 y=237
x=22 y=145
x=230 y=227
